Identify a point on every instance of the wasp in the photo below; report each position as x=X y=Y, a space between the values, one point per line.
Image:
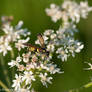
x=41 y=49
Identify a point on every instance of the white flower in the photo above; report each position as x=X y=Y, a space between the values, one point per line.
x=11 y=34
x=4 y=48
x=53 y=36
x=19 y=25
x=28 y=77
x=20 y=45
x=26 y=57
x=74 y=46
x=84 y=9
x=79 y=48
x=15 y=62
x=51 y=47
x=21 y=67
x=32 y=65
x=34 y=58
x=69 y=10
x=48 y=32
x=45 y=79
x=54 y=12
x=17 y=82
x=63 y=54
x=19 y=59
x=72 y=10
x=44 y=66
x=53 y=68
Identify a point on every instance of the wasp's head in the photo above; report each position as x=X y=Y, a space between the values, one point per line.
x=39 y=35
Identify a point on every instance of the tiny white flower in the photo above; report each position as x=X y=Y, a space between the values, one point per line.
x=17 y=82
x=20 y=45
x=13 y=63
x=80 y=47
x=4 y=48
x=51 y=47
x=48 y=32
x=53 y=68
x=45 y=79
x=28 y=77
x=63 y=54
x=54 y=12
x=26 y=57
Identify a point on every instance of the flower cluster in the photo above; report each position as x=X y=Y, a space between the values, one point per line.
x=69 y=11
x=32 y=66
x=62 y=42
x=11 y=34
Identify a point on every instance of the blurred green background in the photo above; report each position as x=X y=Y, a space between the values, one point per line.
x=32 y=12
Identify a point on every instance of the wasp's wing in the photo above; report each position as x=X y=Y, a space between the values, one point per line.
x=41 y=40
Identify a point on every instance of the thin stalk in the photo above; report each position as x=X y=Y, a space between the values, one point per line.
x=12 y=53
x=88 y=85
x=5 y=70
x=13 y=70
x=4 y=86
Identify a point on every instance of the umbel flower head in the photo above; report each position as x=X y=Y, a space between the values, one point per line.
x=31 y=67
x=11 y=34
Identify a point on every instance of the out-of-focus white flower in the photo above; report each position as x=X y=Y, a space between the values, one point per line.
x=53 y=68
x=20 y=45
x=4 y=48
x=19 y=25
x=15 y=62
x=84 y=9
x=17 y=82
x=28 y=77
x=54 y=12
x=45 y=79
x=69 y=10
x=72 y=10
x=48 y=32
x=12 y=34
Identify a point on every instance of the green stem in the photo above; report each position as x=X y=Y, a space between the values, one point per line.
x=4 y=86
x=13 y=70
x=12 y=53
x=88 y=85
x=5 y=70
